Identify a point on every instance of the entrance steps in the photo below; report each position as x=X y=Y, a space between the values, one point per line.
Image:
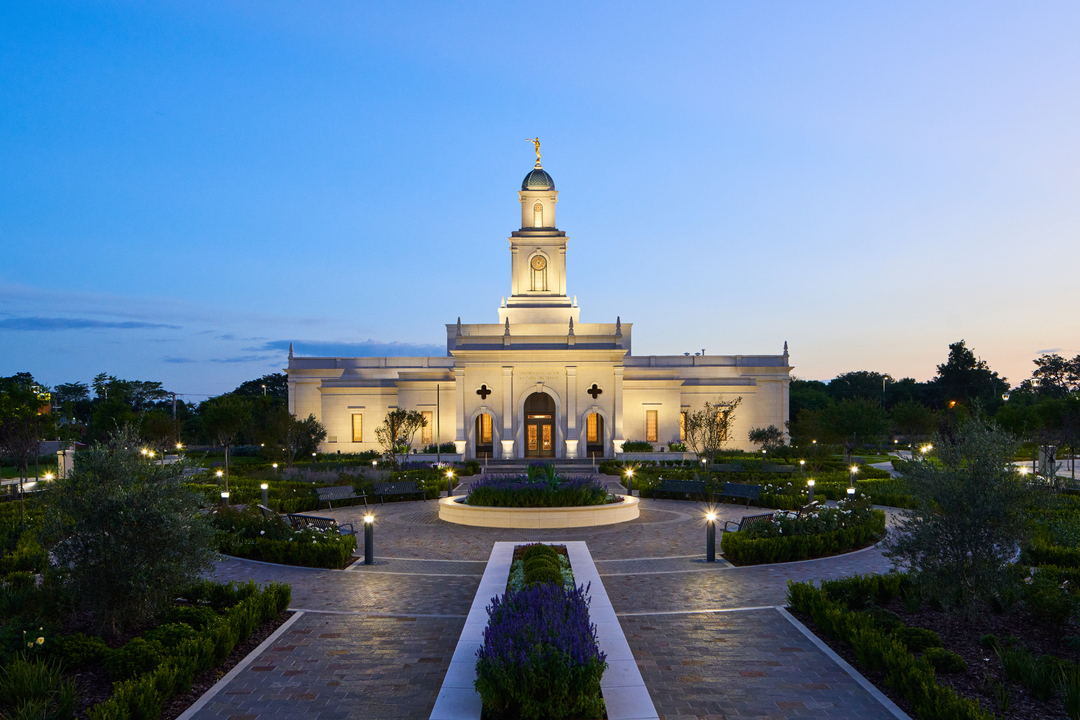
x=519 y=465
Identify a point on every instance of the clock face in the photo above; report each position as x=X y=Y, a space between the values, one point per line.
x=539 y=262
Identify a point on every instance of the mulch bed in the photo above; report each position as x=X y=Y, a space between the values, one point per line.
x=94 y=685
x=962 y=637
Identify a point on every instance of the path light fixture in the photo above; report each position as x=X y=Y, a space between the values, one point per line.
x=48 y=476
x=369 y=539
x=449 y=483
x=275 y=467
x=710 y=537
x=630 y=482
x=802 y=466
x=224 y=498
x=265 y=487
x=851 y=493
x=851 y=479
x=810 y=486
x=219 y=475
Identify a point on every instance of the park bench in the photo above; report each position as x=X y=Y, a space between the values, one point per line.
x=773 y=468
x=727 y=467
x=322 y=524
x=747 y=521
x=403 y=487
x=338 y=492
x=739 y=490
x=688 y=487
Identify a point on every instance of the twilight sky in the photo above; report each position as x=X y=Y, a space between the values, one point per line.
x=189 y=186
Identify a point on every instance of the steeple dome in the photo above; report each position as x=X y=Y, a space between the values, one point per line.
x=538 y=179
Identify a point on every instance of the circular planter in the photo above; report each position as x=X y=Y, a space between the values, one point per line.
x=453 y=510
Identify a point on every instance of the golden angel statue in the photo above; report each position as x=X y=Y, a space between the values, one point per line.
x=536 y=145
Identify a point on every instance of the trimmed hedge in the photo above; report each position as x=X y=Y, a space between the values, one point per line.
x=912 y=677
x=163 y=673
x=1043 y=553
x=739 y=549
x=327 y=551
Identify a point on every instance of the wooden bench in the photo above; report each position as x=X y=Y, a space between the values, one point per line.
x=338 y=492
x=322 y=524
x=747 y=521
x=402 y=487
x=689 y=487
x=739 y=490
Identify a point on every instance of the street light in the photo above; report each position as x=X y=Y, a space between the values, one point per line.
x=710 y=537
x=369 y=539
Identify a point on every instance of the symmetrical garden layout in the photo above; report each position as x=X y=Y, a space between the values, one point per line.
x=709 y=640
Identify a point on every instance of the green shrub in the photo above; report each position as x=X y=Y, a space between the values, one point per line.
x=913 y=678
x=945 y=661
x=861 y=591
x=169 y=635
x=79 y=651
x=197 y=617
x=543 y=574
x=536 y=562
x=917 y=639
x=538 y=550
x=138 y=656
x=742 y=550
x=636 y=446
x=989 y=641
x=1041 y=552
x=28 y=556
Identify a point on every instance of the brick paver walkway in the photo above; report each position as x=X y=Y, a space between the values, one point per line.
x=379 y=638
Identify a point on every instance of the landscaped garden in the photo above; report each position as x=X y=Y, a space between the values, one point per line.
x=540 y=657
x=105 y=614
x=541 y=486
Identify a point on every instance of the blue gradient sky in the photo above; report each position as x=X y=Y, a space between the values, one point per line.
x=188 y=186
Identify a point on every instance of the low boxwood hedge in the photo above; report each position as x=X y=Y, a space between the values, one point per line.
x=911 y=677
x=742 y=549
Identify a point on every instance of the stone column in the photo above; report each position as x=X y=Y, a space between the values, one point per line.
x=618 y=438
x=571 y=412
x=508 y=412
x=459 y=396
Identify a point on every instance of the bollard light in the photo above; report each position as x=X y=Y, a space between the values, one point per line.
x=275 y=467
x=630 y=482
x=265 y=487
x=851 y=492
x=48 y=476
x=369 y=539
x=710 y=537
x=449 y=483
x=224 y=498
x=810 y=485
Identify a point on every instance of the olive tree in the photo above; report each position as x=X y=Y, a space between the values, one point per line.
x=397 y=432
x=709 y=428
x=970 y=517
x=288 y=438
x=125 y=535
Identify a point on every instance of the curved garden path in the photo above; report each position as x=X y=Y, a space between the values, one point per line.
x=375 y=641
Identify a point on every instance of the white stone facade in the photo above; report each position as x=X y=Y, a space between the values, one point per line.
x=527 y=385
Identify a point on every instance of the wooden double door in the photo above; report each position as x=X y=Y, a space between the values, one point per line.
x=539 y=426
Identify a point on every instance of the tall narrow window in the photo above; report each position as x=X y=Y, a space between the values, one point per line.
x=682 y=426
x=538 y=267
x=538 y=215
x=357 y=427
x=429 y=427
x=591 y=431
x=485 y=429
x=651 y=433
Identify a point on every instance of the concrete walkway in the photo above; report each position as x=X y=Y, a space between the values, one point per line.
x=375 y=641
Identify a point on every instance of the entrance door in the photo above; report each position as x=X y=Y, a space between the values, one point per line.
x=539 y=426
x=485 y=445
x=594 y=435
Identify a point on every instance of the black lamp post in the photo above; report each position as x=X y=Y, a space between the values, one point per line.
x=710 y=537
x=369 y=539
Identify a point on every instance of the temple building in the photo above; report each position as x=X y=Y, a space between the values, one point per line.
x=539 y=383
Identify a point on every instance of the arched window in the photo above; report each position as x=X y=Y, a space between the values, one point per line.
x=538 y=272
x=538 y=215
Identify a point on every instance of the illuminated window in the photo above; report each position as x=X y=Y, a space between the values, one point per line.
x=485 y=429
x=592 y=432
x=429 y=425
x=651 y=434
x=682 y=426
x=357 y=428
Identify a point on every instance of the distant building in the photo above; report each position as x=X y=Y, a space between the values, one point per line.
x=539 y=383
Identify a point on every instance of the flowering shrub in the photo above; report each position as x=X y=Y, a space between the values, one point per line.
x=846 y=514
x=525 y=491
x=540 y=656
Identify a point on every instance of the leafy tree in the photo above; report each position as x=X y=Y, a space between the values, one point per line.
x=72 y=392
x=23 y=424
x=912 y=419
x=108 y=416
x=160 y=431
x=126 y=535
x=709 y=428
x=397 y=432
x=970 y=517
x=808 y=395
x=224 y=417
x=1056 y=376
x=288 y=438
x=769 y=439
x=965 y=379
x=858 y=384
x=274 y=385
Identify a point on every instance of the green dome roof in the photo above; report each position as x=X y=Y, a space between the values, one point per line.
x=538 y=179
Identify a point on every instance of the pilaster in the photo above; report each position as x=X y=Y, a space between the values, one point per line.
x=508 y=411
x=571 y=411
x=459 y=420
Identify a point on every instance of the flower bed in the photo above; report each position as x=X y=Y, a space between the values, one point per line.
x=540 y=657
x=247 y=534
x=827 y=531
x=540 y=488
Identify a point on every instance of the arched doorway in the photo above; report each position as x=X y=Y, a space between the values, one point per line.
x=485 y=440
x=539 y=426
x=594 y=435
